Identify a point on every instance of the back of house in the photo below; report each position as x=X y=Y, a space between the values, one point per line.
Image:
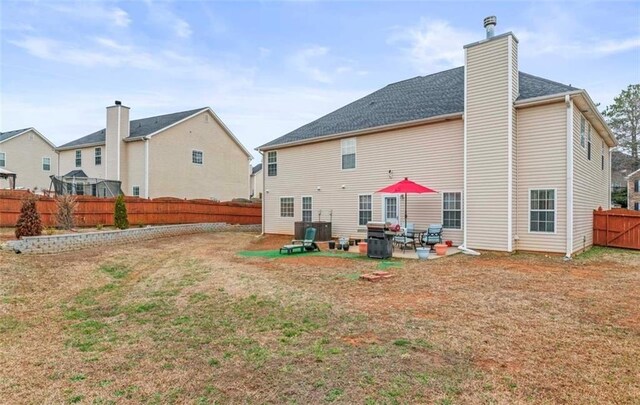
x=519 y=162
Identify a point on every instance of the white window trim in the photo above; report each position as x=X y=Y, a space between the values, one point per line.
x=132 y=193
x=555 y=211
x=302 y=207
x=583 y=135
x=75 y=160
x=355 y=153
x=94 y=156
x=280 y=206
x=383 y=212
x=43 y=158
x=442 y=193
x=358 y=208
x=201 y=157
x=4 y=158
x=275 y=152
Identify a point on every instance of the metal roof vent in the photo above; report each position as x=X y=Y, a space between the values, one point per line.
x=118 y=102
x=490 y=25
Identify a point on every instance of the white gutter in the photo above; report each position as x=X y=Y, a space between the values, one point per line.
x=510 y=148
x=464 y=157
x=119 y=140
x=264 y=193
x=81 y=146
x=364 y=131
x=569 y=213
x=546 y=99
x=146 y=166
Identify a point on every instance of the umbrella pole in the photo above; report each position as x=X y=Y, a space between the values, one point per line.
x=405 y=210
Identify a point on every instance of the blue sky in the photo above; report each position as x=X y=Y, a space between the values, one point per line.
x=268 y=67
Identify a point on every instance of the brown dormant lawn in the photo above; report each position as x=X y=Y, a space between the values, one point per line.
x=188 y=320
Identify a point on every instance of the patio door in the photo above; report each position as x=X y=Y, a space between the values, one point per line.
x=390 y=210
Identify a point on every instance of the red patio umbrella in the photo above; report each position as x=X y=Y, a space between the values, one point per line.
x=405 y=187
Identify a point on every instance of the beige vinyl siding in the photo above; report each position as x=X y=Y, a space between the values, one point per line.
x=590 y=184
x=224 y=174
x=68 y=162
x=24 y=155
x=487 y=113
x=542 y=164
x=113 y=142
x=134 y=176
x=429 y=154
x=257 y=188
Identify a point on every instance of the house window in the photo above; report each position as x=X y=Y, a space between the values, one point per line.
x=307 y=209
x=286 y=207
x=272 y=163
x=94 y=190
x=636 y=186
x=452 y=210
x=542 y=210
x=348 y=147
x=135 y=191
x=46 y=164
x=602 y=154
x=582 y=124
x=636 y=206
x=196 y=157
x=78 y=158
x=97 y=156
x=589 y=142
x=3 y=159
x=364 y=209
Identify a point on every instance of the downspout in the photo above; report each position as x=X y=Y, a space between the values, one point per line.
x=118 y=150
x=464 y=158
x=569 y=213
x=463 y=247
x=510 y=148
x=146 y=166
x=610 y=187
x=264 y=193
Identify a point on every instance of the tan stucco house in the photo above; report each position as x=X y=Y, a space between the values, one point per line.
x=31 y=156
x=633 y=191
x=519 y=161
x=188 y=154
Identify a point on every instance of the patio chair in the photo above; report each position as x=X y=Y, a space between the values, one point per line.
x=407 y=238
x=433 y=235
x=307 y=244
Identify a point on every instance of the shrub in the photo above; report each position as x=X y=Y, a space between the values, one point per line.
x=66 y=205
x=120 y=219
x=29 y=222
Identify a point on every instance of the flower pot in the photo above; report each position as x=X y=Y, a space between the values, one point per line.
x=345 y=247
x=332 y=244
x=423 y=253
x=362 y=247
x=441 y=249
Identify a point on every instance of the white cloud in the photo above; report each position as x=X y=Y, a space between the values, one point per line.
x=303 y=61
x=264 y=52
x=183 y=29
x=94 y=11
x=316 y=63
x=120 y=17
x=433 y=44
x=161 y=14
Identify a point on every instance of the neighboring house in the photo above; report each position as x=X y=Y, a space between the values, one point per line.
x=621 y=165
x=257 y=181
x=520 y=162
x=189 y=154
x=633 y=191
x=31 y=156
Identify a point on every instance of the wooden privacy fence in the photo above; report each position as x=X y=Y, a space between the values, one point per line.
x=94 y=211
x=617 y=228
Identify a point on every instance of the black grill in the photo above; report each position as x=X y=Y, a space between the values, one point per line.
x=379 y=240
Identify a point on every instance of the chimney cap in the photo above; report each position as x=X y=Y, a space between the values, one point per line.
x=118 y=102
x=491 y=20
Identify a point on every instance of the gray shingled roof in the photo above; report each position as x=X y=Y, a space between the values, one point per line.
x=9 y=134
x=256 y=168
x=137 y=128
x=76 y=173
x=413 y=99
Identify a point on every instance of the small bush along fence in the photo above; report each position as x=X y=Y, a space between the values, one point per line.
x=94 y=211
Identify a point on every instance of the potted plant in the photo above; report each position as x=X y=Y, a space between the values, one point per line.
x=449 y=243
x=441 y=249
x=423 y=253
